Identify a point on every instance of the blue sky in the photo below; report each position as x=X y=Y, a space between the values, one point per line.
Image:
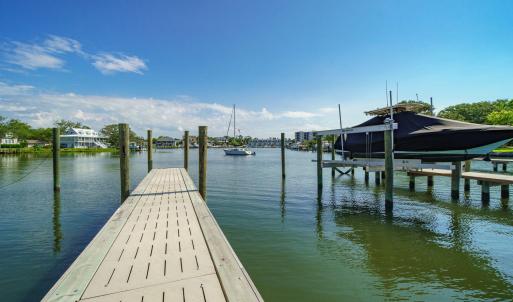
x=172 y=65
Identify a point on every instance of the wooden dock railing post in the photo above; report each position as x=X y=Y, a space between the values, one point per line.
x=466 y=186
x=319 y=161
x=333 y=154
x=124 y=153
x=186 y=150
x=150 y=150
x=389 y=167
x=203 y=140
x=282 y=145
x=56 y=147
x=455 y=180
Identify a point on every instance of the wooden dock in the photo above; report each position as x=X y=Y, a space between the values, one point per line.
x=162 y=244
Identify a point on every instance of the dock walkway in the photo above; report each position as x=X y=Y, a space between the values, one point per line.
x=162 y=244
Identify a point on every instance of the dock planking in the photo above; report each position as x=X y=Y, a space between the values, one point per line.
x=162 y=244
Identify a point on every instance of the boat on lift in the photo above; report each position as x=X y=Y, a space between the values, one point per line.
x=425 y=137
x=236 y=150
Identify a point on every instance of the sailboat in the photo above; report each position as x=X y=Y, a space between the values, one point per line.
x=236 y=150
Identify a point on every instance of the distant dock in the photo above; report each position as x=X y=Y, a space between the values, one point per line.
x=162 y=244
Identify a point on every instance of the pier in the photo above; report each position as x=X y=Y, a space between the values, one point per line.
x=161 y=244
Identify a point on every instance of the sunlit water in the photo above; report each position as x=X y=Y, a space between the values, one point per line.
x=296 y=245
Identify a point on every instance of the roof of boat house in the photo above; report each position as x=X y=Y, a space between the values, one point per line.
x=397 y=108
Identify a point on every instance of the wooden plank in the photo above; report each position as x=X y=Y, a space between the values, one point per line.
x=73 y=282
x=158 y=249
x=489 y=177
x=236 y=283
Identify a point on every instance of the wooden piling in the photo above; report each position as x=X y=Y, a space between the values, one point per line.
x=504 y=191
x=366 y=177
x=467 y=167
x=485 y=192
x=319 y=161
x=412 y=183
x=495 y=167
x=56 y=147
x=430 y=181
x=186 y=150
x=124 y=153
x=202 y=179
x=455 y=180
x=282 y=145
x=504 y=167
x=333 y=154
x=149 y=149
x=389 y=167
x=383 y=175
x=377 y=177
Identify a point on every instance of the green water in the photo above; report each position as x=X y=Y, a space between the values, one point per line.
x=297 y=245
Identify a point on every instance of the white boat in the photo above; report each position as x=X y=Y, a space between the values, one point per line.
x=238 y=151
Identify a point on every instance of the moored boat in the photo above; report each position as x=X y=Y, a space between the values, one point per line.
x=429 y=138
x=238 y=151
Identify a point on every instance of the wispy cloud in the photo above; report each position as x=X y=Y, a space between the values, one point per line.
x=108 y=63
x=50 y=54
x=164 y=116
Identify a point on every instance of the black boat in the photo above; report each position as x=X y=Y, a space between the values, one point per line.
x=429 y=138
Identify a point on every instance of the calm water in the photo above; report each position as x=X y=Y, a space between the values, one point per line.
x=296 y=245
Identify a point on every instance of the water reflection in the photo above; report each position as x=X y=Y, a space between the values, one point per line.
x=282 y=200
x=56 y=220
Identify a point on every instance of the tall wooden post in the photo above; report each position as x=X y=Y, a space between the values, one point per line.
x=203 y=140
x=455 y=180
x=150 y=151
x=282 y=145
x=333 y=155
x=56 y=147
x=466 y=186
x=319 y=161
x=124 y=153
x=186 y=150
x=389 y=166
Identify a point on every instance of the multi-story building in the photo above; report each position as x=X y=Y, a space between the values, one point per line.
x=82 y=138
x=304 y=136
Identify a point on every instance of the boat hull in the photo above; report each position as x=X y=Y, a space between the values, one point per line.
x=238 y=152
x=429 y=138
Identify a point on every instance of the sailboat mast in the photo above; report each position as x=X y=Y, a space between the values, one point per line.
x=234 y=121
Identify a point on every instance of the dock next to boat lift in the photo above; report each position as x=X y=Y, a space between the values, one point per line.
x=162 y=244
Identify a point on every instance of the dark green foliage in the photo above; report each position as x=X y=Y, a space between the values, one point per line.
x=111 y=132
x=480 y=112
x=64 y=125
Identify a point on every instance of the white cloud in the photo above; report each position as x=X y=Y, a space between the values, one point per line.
x=50 y=53
x=164 y=116
x=108 y=63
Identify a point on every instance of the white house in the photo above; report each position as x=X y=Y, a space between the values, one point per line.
x=9 y=139
x=167 y=142
x=82 y=138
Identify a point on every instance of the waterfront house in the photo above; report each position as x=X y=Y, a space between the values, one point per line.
x=82 y=138
x=31 y=143
x=166 y=142
x=9 y=139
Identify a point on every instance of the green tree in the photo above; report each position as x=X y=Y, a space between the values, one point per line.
x=475 y=112
x=64 y=125
x=502 y=117
x=111 y=132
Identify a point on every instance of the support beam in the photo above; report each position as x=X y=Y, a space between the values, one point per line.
x=282 y=145
x=412 y=183
x=430 y=181
x=505 y=191
x=319 y=161
x=333 y=154
x=186 y=150
x=56 y=147
x=466 y=186
x=202 y=141
x=124 y=161
x=149 y=149
x=389 y=167
x=455 y=180
x=485 y=192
